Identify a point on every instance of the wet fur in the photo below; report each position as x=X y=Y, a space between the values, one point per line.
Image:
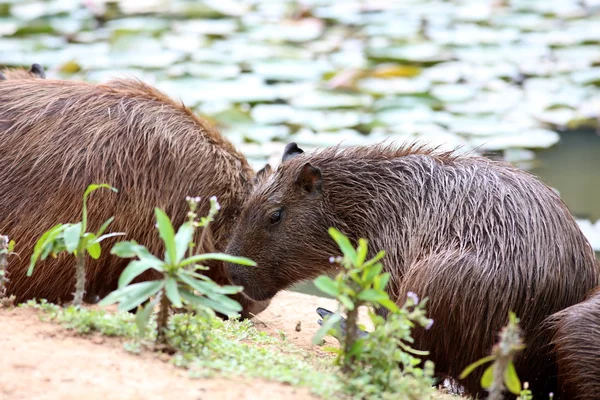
x=57 y=137
x=478 y=237
x=576 y=343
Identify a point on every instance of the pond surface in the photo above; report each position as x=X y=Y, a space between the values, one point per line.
x=572 y=167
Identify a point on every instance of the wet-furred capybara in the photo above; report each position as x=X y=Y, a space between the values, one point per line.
x=576 y=344
x=35 y=71
x=478 y=237
x=57 y=137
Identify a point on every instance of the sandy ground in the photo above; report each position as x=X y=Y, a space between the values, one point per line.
x=42 y=361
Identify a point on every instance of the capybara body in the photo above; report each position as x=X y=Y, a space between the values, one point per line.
x=35 y=72
x=57 y=137
x=577 y=347
x=478 y=238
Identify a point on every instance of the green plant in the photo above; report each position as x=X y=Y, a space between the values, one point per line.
x=370 y=361
x=6 y=249
x=502 y=373
x=181 y=285
x=74 y=239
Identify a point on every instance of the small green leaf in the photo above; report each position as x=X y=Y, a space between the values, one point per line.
x=167 y=234
x=134 y=269
x=94 y=187
x=183 y=239
x=356 y=348
x=87 y=192
x=142 y=317
x=143 y=291
x=328 y=324
x=344 y=244
x=11 y=246
x=512 y=379
x=381 y=281
x=346 y=301
x=361 y=252
x=108 y=235
x=44 y=244
x=471 y=367
x=390 y=305
x=327 y=285
x=218 y=257
x=409 y=349
x=172 y=292
x=191 y=298
x=94 y=250
x=371 y=272
x=104 y=226
x=488 y=377
x=126 y=249
x=195 y=284
x=375 y=259
x=116 y=295
x=373 y=295
x=130 y=249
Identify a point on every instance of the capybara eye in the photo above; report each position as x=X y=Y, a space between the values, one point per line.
x=275 y=217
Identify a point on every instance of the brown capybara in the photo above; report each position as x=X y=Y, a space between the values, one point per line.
x=577 y=347
x=36 y=71
x=57 y=137
x=478 y=238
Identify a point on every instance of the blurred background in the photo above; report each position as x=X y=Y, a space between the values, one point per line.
x=513 y=80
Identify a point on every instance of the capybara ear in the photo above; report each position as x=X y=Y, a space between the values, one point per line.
x=2 y=77
x=38 y=70
x=263 y=173
x=291 y=151
x=309 y=179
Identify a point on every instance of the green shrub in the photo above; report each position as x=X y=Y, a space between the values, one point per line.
x=73 y=239
x=370 y=361
x=181 y=285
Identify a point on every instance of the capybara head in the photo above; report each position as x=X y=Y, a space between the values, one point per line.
x=286 y=219
x=35 y=72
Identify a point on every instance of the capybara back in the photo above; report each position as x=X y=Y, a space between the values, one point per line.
x=57 y=137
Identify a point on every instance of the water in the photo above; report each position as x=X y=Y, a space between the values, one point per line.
x=573 y=168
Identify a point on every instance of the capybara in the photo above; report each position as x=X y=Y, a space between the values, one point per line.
x=57 y=137
x=478 y=237
x=577 y=346
x=36 y=71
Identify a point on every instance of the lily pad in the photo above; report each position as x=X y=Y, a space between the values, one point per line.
x=323 y=99
x=272 y=113
x=394 y=86
x=426 y=53
x=291 y=70
x=587 y=77
x=213 y=27
x=534 y=138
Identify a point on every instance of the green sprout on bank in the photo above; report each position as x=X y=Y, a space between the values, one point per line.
x=502 y=373
x=181 y=284
x=6 y=249
x=74 y=239
x=370 y=361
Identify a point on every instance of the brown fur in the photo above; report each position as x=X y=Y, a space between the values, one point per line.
x=576 y=344
x=479 y=238
x=56 y=137
x=35 y=72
